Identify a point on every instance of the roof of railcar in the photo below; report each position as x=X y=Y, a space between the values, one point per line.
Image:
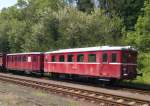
x=93 y=49
x=29 y=53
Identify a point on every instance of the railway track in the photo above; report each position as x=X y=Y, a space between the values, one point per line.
x=103 y=99
x=137 y=91
x=118 y=87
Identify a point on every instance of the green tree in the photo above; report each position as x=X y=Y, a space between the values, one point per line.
x=85 y=5
x=128 y=10
x=78 y=29
x=141 y=36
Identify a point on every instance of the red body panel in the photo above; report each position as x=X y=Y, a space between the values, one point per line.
x=25 y=62
x=93 y=69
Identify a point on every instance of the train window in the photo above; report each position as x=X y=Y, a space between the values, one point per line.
x=12 y=58
x=125 y=58
x=15 y=58
x=113 y=57
x=70 y=58
x=105 y=58
x=29 y=59
x=19 y=58
x=80 y=58
x=9 y=58
x=34 y=59
x=24 y=58
x=46 y=58
x=92 y=58
x=53 y=59
x=61 y=58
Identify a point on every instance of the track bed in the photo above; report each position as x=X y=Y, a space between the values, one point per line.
x=93 y=94
x=16 y=95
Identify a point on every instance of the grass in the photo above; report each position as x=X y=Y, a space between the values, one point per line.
x=9 y=99
x=39 y=93
x=144 y=67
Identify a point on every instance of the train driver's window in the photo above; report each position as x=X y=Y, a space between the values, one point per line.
x=105 y=58
x=53 y=59
x=61 y=58
x=92 y=58
x=70 y=58
x=125 y=58
x=114 y=57
x=80 y=58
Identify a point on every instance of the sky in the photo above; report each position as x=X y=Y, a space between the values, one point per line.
x=7 y=3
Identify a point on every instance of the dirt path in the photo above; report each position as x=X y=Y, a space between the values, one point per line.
x=15 y=95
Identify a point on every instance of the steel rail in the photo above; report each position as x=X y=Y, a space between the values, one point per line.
x=97 y=97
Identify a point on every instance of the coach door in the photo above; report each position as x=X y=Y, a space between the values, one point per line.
x=35 y=62
x=104 y=66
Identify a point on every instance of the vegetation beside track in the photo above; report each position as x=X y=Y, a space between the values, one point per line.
x=144 y=67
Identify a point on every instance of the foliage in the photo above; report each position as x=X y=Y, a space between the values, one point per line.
x=141 y=36
x=41 y=26
x=128 y=10
x=85 y=5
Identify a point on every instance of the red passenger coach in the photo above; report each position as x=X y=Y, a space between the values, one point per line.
x=32 y=62
x=103 y=62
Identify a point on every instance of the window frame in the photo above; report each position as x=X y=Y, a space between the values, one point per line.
x=95 y=60
x=80 y=54
x=103 y=53
x=46 y=58
x=63 y=58
x=16 y=58
x=73 y=60
x=53 y=58
x=24 y=58
x=35 y=58
x=124 y=57
x=19 y=58
x=12 y=58
x=116 y=58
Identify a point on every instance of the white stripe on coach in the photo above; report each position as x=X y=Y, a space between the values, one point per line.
x=91 y=63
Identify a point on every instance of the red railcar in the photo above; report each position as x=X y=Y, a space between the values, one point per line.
x=104 y=62
x=32 y=62
x=2 y=61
